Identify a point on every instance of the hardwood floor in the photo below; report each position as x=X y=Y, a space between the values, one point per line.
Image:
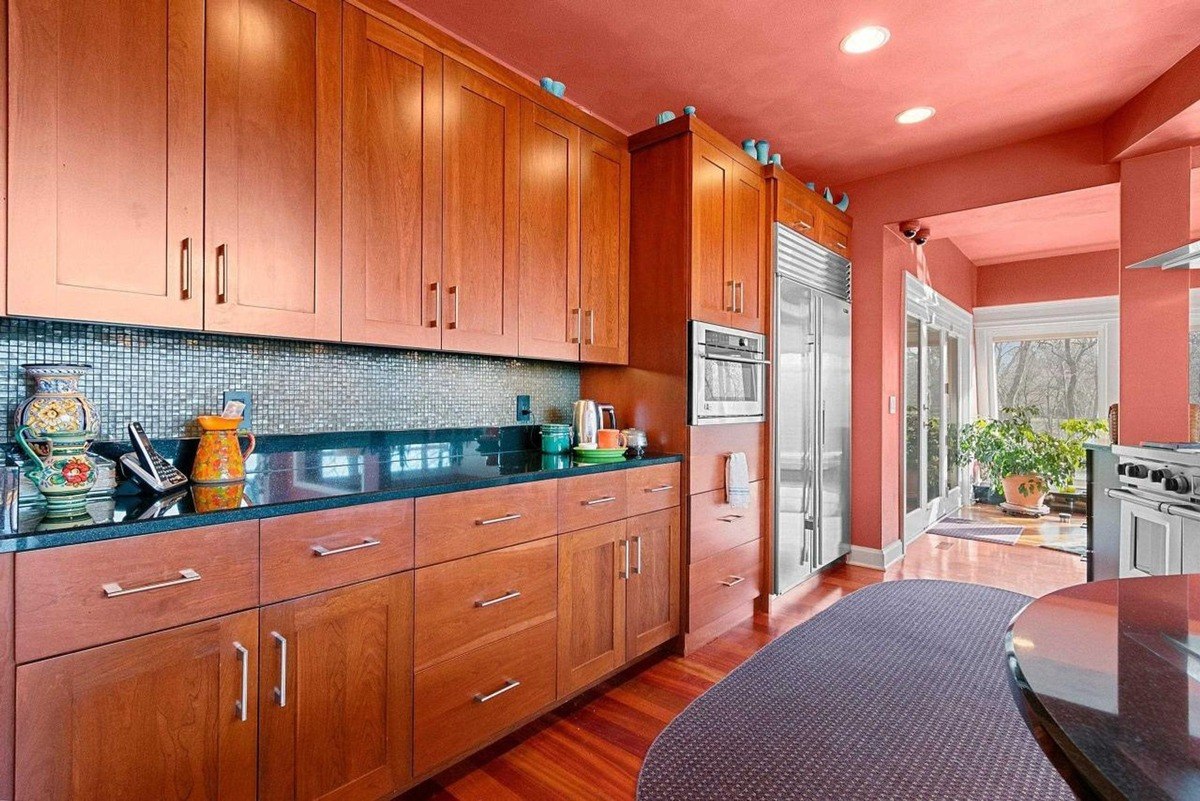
x=1047 y=530
x=592 y=747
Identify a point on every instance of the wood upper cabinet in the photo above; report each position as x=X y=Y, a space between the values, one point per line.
x=652 y=591
x=712 y=241
x=391 y=186
x=273 y=167
x=604 y=251
x=592 y=565
x=335 y=693
x=748 y=261
x=106 y=166
x=480 y=221
x=551 y=319
x=166 y=716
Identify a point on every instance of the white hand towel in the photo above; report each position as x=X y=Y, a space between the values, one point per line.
x=737 y=481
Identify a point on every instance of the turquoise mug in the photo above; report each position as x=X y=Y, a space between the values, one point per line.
x=555 y=437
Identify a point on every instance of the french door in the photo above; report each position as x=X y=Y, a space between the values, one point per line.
x=933 y=412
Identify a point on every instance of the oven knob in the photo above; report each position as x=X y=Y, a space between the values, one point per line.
x=1178 y=484
x=1137 y=471
x=1122 y=467
x=1159 y=475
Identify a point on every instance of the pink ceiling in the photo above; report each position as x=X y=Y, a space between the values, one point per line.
x=997 y=73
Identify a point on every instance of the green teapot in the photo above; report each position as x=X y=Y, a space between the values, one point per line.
x=66 y=472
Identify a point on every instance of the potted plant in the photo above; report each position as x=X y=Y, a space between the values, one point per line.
x=1024 y=463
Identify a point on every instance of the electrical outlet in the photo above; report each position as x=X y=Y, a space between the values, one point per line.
x=524 y=409
x=243 y=396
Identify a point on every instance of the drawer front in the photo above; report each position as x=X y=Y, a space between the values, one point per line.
x=83 y=595
x=652 y=488
x=586 y=501
x=470 y=602
x=315 y=551
x=708 y=447
x=714 y=588
x=835 y=235
x=465 y=523
x=463 y=703
x=797 y=210
x=716 y=526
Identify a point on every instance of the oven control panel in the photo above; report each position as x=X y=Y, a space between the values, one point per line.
x=1160 y=477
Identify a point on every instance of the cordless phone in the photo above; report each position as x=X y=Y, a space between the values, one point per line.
x=147 y=467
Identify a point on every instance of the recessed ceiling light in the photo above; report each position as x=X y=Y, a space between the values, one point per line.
x=864 y=40
x=915 y=115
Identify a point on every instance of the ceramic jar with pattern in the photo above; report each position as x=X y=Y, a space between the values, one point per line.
x=65 y=473
x=56 y=405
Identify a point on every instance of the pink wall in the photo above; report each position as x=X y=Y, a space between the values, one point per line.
x=1079 y=275
x=948 y=271
x=1048 y=165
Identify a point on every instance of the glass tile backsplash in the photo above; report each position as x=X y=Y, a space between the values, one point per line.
x=165 y=378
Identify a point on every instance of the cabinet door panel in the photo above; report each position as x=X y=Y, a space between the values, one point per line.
x=748 y=221
x=480 y=203
x=652 y=595
x=591 y=604
x=712 y=286
x=152 y=717
x=342 y=729
x=604 y=251
x=550 y=317
x=391 y=185
x=107 y=160
x=273 y=170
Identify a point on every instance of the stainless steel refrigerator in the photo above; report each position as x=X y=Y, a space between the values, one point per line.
x=812 y=407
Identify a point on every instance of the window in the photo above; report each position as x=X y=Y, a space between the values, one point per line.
x=1057 y=375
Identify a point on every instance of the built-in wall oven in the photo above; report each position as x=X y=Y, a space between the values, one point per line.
x=728 y=375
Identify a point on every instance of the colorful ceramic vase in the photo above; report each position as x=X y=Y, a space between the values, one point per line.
x=65 y=473
x=56 y=405
x=219 y=456
x=217 y=497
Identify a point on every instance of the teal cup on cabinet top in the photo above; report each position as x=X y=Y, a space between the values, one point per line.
x=555 y=437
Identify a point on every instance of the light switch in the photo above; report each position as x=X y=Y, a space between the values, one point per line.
x=891 y=404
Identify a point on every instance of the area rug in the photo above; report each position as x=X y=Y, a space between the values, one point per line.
x=980 y=530
x=898 y=691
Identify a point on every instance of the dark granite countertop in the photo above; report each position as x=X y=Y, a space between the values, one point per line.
x=1109 y=674
x=304 y=473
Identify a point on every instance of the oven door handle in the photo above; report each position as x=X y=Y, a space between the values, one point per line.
x=1184 y=510
x=733 y=359
x=1122 y=494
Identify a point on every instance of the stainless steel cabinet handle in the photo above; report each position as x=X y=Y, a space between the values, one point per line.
x=741 y=297
x=804 y=225
x=222 y=273
x=508 y=596
x=637 y=570
x=840 y=245
x=368 y=542
x=186 y=576
x=281 y=690
x=578 y=312
x=511 y=684
x=732 y=296
x=734 y=581
x=242 y=705
x=456 y=291
x=185 y=289
x=591 y=315
x=661 y=488
x=598 y=501
x=491 y=521
x=625 y=556
x=730 y=518
x=436 y=289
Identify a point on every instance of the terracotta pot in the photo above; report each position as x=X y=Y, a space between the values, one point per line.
x=1027 y=490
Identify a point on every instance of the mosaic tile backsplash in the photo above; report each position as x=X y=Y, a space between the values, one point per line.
x=165 y=378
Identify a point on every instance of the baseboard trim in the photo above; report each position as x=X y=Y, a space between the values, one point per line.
x=876 y=558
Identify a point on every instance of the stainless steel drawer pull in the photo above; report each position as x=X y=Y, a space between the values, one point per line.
x=734 y=581
x=662 y=488
x=508 y=596
x=491 y=521
x=368 y=542
x=243 y=703
x=841 y=245
x=281 y=690
x=730 y=518
x=804 y=225
x=511 y=684
x=186 y=576
x=598 y=501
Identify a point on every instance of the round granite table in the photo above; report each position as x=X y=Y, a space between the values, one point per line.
x=1107 y=676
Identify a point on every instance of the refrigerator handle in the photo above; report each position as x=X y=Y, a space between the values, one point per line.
x=821 y=440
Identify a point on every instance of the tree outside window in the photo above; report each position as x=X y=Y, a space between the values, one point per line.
x=1056 y=375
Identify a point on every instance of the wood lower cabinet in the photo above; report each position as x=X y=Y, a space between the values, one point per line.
x=106 y=164
x=592 y=567
x=335 y=693
x=391 y=186
x=165 y=716
x=652 y=588
x=604 y=251
x=481 y=154
x=273 y=167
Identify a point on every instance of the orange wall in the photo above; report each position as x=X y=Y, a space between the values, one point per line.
x=948 y=271
x=1079 y=275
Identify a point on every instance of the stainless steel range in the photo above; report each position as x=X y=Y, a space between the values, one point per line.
x=1160 y=510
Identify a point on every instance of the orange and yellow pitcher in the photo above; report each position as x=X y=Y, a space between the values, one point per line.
x=219 y=457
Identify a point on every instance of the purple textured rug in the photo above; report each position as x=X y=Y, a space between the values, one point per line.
x=976 y=530
x=898 y=691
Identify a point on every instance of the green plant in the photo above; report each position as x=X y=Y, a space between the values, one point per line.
x=1011 y=447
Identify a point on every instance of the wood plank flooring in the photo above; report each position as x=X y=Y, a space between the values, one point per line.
x=592 y=747
x=1045 y=530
